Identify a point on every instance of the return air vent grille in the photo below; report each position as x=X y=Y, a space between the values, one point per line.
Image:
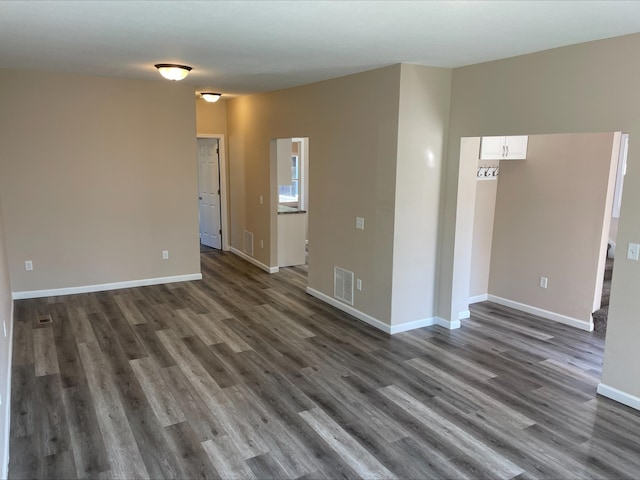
x=343 y=285
x=248 y=243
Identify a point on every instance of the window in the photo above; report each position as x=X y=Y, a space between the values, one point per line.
x=290 y=193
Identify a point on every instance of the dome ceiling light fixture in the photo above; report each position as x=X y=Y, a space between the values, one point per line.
x=210 y=97
x=172 y=71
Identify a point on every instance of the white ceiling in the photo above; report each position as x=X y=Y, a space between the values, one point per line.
x=239 y=47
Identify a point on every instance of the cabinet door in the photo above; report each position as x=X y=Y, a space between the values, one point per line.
x=516 y=147
x=491 y=148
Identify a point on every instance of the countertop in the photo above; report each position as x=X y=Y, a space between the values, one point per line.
x=284 y=209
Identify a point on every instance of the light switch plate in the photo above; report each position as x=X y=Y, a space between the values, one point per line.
x=633 y=252
x=360 y=223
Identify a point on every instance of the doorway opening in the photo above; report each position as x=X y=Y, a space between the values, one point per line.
x=212 y=193
x=292 y=187
x=532 y=234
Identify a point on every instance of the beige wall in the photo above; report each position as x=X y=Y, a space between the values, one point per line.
x=97 y=177
x=550 y=216
x=376 y=143
x=588 y=87
x=6 y=320
x=423 y=118
x=211 y=118
x=352 y=125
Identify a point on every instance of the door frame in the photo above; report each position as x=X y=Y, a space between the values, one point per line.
x=224 y=217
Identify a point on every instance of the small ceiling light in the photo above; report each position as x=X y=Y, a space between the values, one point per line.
x=171 y=71
x=210 y=96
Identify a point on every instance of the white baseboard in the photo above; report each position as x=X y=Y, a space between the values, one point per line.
x=448 y=324
x=374 y=322
x=619 y=396
x=257 y=263
x=54 y=292
x=464 y=315
x=4 y=458
x=405 y=327
x=479 y=298
x=380 y=325
x=556 y=317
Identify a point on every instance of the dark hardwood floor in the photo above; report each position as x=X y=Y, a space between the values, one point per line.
x=243 y=375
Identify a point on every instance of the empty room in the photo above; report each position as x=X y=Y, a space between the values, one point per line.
x=237 y=239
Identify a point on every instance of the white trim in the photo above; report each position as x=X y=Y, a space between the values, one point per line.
x=224 y=199
x=448 y=324
x=463 y=315
x=54 y=292
x=619 y=396
x=479 y=298
x=405 y=327
x=556 y=317
x=257 y=263
x=374 y=322
x=4 y=460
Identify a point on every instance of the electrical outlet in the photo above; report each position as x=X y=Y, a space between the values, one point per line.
x=165 y=254
x=543 y=282
x=28 y=265
x=261 y=243
x=360 y=223
x=359 y=284
x=633 y=251
x=261 y=199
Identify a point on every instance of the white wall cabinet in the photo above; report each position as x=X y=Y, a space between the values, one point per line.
x=504 y=148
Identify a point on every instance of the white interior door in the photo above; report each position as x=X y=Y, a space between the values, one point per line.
x=209 y=192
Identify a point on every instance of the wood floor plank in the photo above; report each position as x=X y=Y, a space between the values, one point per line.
x=122 y=450
x=23 y=403
x=483 y=401
x=265 y=467
x=80 y=325
x=222 y=333
x=196 y=463
x=227 y=460
x=71 y=373
x=345 y=445
x=129 y=309
x=500 y=466
x=50 y=418
x=25 y=457
x=147 y=337
x=90 y=455
x=44 y=352
x=161 y=399
x=198 y=414
x=193 y=370
x=56 y=466
x=22 y=340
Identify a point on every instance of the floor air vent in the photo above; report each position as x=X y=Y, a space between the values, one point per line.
x=343 y=285
x=248 y=243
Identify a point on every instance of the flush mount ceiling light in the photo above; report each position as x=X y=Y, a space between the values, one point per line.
x=210 y=96
x=171 y=71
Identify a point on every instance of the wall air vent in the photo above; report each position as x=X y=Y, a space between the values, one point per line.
x=343 y=285
x=248 y=243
